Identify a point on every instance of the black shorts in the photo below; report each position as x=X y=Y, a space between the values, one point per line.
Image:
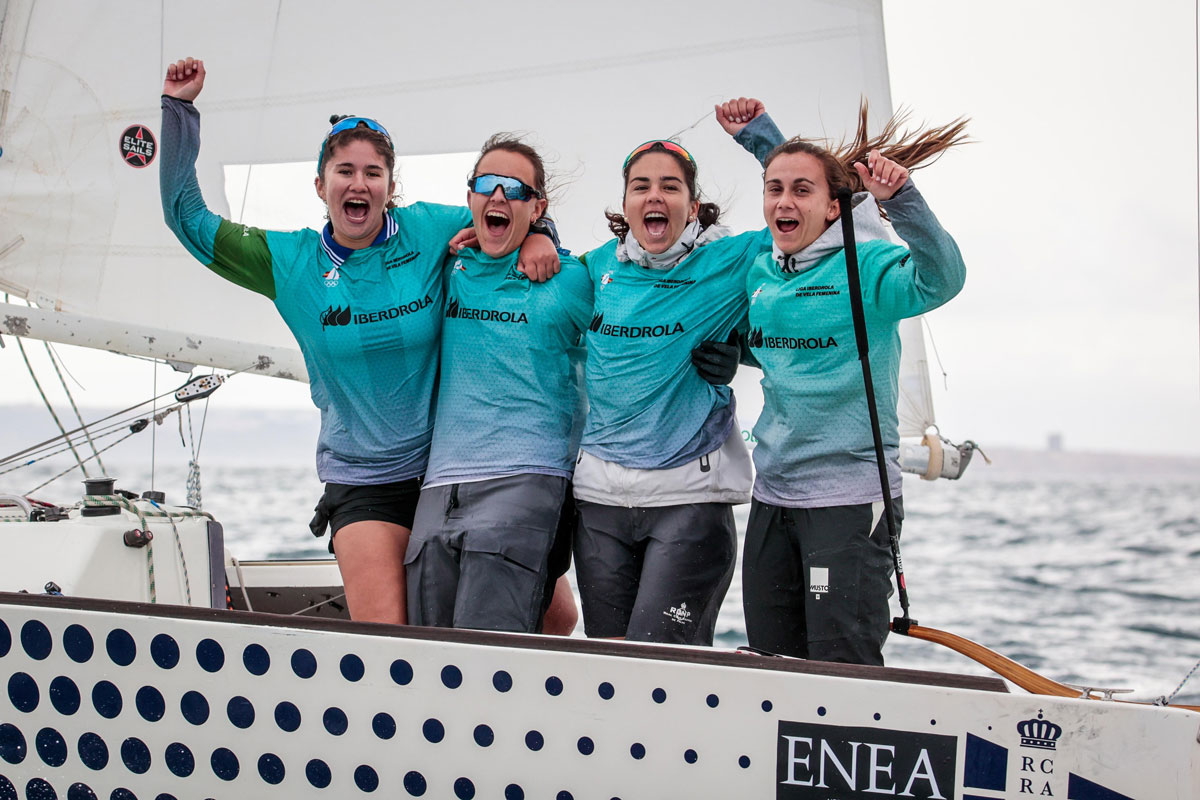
x=343 y=504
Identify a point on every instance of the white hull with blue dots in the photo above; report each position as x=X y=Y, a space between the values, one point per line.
x=107 y=695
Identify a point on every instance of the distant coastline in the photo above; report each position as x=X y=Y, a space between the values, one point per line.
x=287 y=437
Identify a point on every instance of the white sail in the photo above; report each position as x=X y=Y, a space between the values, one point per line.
x=81 y=230
x=914 y=409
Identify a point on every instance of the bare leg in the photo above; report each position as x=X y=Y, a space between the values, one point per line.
x=370 y=555
x=562 y=616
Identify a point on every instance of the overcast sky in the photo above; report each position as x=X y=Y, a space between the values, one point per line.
x=1075 y=210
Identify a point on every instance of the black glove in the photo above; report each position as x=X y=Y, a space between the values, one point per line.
x=717 y=362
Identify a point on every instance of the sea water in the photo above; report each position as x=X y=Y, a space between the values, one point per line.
x=1085 y=568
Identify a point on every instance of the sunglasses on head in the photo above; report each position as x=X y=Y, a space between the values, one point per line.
x=349 y=123
x=661 y=144
x=514 y=189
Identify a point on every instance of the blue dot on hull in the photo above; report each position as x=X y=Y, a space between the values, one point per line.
x=287 y=716
x=164 y=651
x=80 y=791
x=414 y=783
x=106 y=698
x=12 y=744
x=64 y=695
x=304 y=663
x=38 y=789
x=240 y=712
x=365 y=778
x=224 y=764
x=433 y=730
x=256 y=659
x=464 y=789
x=121 y=647
x=318 y=774
x=451 y=676
x=352 y=668
x=383 y=725
x=194 y=708
x=401 y=672
x=93 y=752
x=210 y=656
x=23 y=692
x=179 y=759
x=271 y=769
x=36 y=639
x=51 y=747
x=150 y=704
x=606 y=690
x=484 y=736
x=77 y=641
x=136 y=755
x=502 y=681
x=335 y=721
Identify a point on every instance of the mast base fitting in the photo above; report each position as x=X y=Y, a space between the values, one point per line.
x=901 y=625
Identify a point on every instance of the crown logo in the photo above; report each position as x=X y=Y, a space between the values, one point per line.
x=1039 y=733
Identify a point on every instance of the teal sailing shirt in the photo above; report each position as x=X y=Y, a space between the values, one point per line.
x=509 y=397
x=815 y=445
x=648 y=408
x=368 y=321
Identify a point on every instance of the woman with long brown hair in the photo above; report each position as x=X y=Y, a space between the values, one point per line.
x=815 y=572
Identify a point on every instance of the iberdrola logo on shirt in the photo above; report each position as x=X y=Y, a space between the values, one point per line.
x=758 y=341
x=455 y=310
x=633 y=331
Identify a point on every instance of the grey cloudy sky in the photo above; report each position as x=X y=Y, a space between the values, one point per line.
x=1075 y=210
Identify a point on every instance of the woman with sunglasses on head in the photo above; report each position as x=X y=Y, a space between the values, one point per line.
x=817 y=559
x=662 y=459
x=369 y=331
x=503 y=449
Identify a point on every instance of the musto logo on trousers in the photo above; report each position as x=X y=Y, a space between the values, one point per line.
x=633 y=331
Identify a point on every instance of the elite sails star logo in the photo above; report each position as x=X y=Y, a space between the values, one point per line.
x=138 y=146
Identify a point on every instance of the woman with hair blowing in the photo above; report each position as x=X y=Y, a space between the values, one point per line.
x=816 y=565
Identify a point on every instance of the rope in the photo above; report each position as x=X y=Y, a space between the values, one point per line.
x=50 y=408
x=109 y=501
x=1166 y=701
x=193 y=477
x=158 y=419
x=71 y=399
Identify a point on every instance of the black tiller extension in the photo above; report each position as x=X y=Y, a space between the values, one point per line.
x=845 y=199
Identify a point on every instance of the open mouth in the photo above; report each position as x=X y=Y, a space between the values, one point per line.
x=356 y=211
x=656 y=223
x=496 y=222
x=786 y=224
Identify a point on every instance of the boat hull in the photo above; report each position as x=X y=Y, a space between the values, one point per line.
x=180 y=702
